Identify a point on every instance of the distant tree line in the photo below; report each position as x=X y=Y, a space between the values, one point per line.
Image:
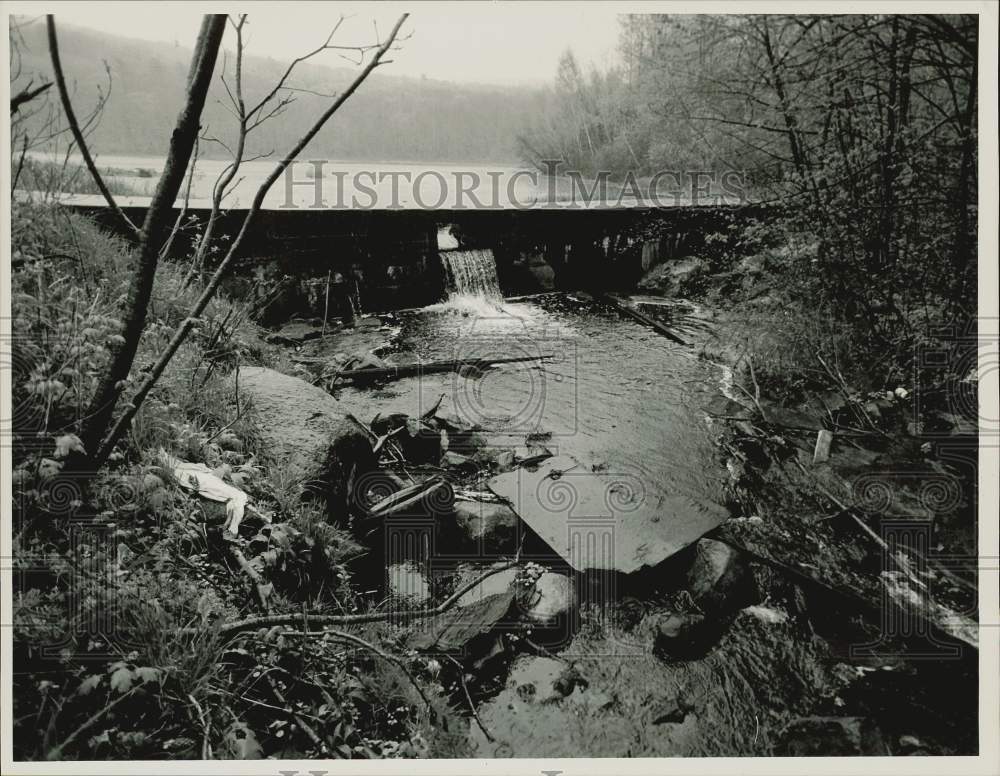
x=396 y=118
x=864 y=127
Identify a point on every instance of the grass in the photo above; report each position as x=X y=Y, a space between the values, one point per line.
x=160 y=683
x=44 y=175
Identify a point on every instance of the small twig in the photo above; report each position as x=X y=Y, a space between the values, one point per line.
x=165 y=250
x=252 y=623
x=326 y=302
x=383 y=439
x=56 y=753
x=755 y=397
x=472 y=706
x=206 y=728
x=433 y=410
x=852 y=511
x=259 y=585
x=133 y=231
x=396 y=661
x=239 y=409
x=303 y=725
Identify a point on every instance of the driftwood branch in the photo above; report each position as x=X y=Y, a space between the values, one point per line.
x=408 y=370
x=642 y=318
x=293 y=620
x=74 y=126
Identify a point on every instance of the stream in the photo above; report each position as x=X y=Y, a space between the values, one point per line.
x=613 y=394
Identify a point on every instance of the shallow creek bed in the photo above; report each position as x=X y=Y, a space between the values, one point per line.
x=663 y=586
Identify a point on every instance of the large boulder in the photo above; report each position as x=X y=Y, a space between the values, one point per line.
x=305 y=435
x=491 y=527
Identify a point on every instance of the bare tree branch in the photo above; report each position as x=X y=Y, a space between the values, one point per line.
x=288 y=72
x=27 y=94
x=130 y=228
x=181 y=334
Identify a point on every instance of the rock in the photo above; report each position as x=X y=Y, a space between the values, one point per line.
x=305 y=434
x=230 y=442
x=492 y=527
x=592 y=700
x=673 y=277
x=552 y=601
x=913 y=746
x=543 y=275
x=151 y=483
x=366 y=361
x=544 y=679
x=464 y=628
x=767 y=615
x=294 y=333
x=407 y=582
x=500 y=582
x=456 y=460
x=718 y=578
x=831 y=737
x=505 y=460
x=671 y=711
x=685 y=636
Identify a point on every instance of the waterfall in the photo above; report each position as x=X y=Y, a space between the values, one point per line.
x=471 y=273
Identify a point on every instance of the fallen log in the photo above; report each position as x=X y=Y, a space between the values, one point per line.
x=408 y=370
x=642 y=318
x=871 y=609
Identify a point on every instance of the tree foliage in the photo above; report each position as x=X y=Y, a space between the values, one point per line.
x=857 y=129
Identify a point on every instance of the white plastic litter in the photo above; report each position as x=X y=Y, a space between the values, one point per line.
x=199 y=478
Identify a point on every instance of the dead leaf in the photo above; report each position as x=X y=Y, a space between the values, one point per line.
x=240 y=743
x=68 y=443
x=121 y=680
x=89 y=684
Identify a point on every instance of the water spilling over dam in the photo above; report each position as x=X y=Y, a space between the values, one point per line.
x=471 y=273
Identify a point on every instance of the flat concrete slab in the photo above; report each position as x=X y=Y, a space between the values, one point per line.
x=601 y=520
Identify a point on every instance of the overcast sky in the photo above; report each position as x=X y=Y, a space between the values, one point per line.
x=500 y=43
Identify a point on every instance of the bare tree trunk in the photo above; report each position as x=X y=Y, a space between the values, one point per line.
x=181 y=144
